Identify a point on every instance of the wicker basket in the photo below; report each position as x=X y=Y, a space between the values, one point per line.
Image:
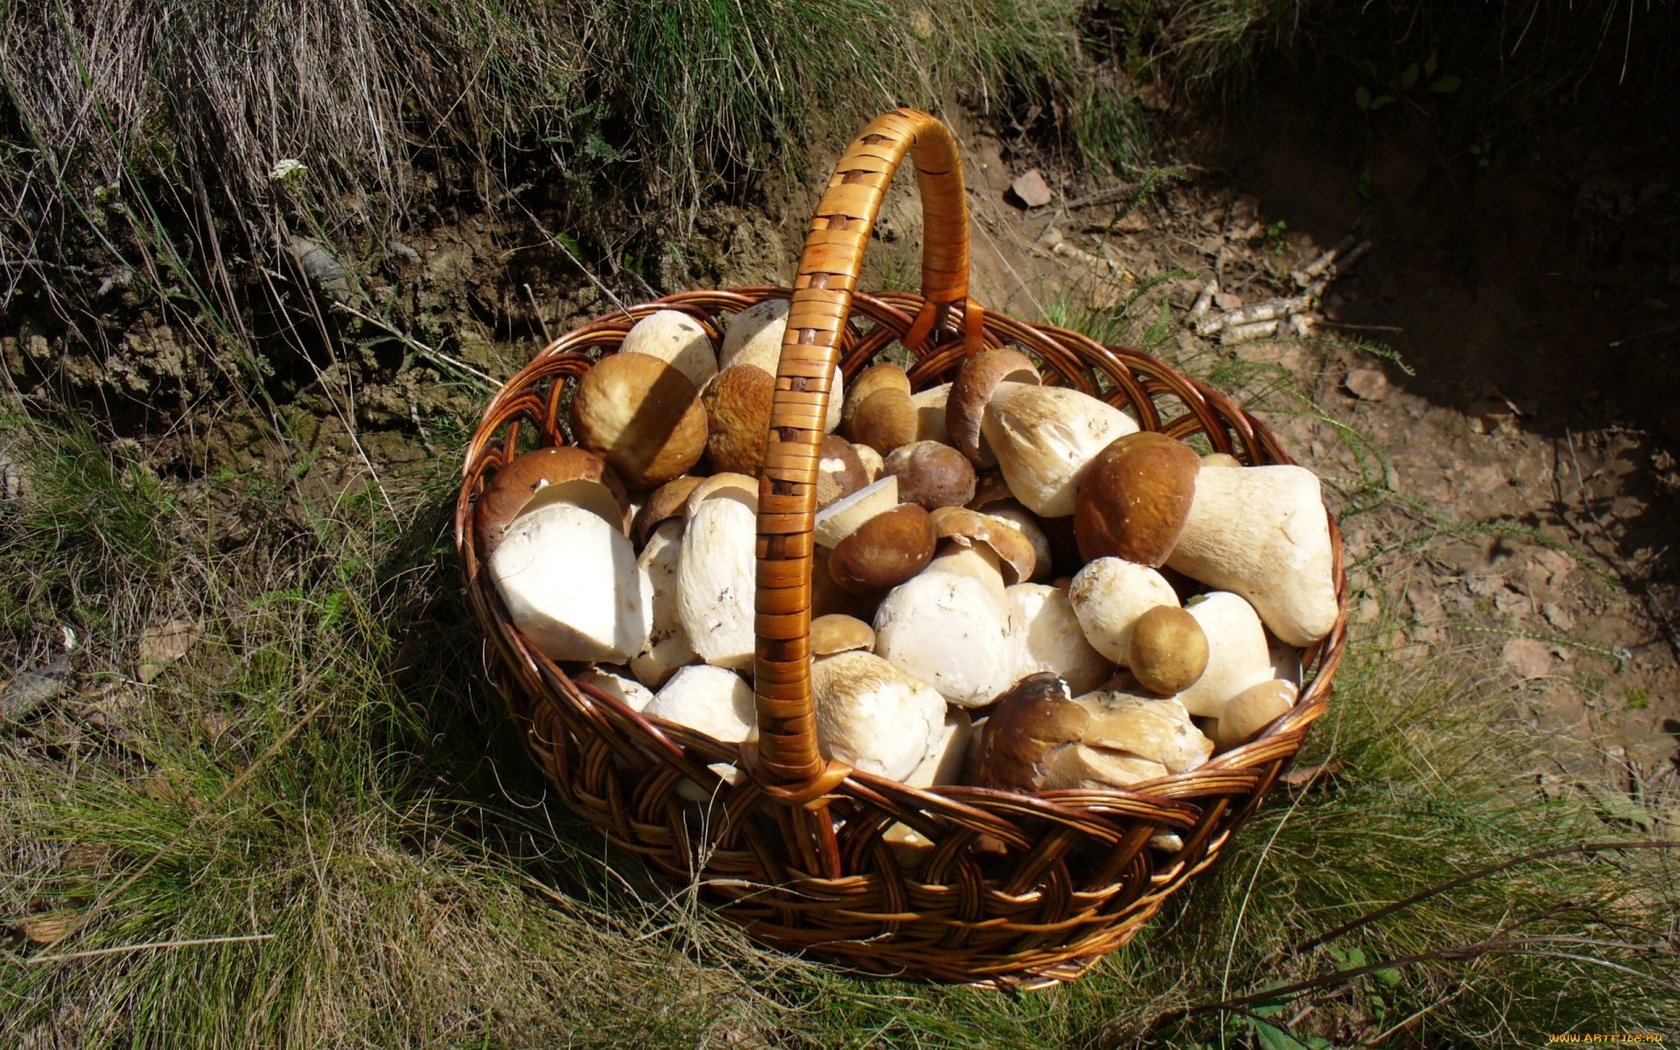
x=1021 y=890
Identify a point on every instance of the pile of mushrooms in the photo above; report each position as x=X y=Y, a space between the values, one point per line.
x=1014 y=587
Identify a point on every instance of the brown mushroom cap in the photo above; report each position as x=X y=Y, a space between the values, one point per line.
x=668 y=501
x=1032 y=721
x=931 y=474
x=737 y=404
x=970 y=528
x=742 y=488
x=546 y=475
x=979 y=376
x=1168 y=650
x=875 y=378
x=873 y=465
x=839 y=470
x=1252 y=710
x=839 y=633
x=884 y=551
x=884 y=420
x=643 y=415
x=1134 y=497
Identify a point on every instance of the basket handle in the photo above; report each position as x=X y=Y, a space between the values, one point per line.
x=787 y=762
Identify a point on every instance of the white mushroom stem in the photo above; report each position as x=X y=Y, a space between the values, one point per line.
x=1044 y=437
x=1262 y=532
x=1108 y=596
x=1082 y=766
x=1044 y=635
x=632 y=693
x=948 y=627
x=667 y=646
x=873 y=716
x=1237 y=652
x=842 y=517
x=930 y=413
x=710 y=700
x=947 y=750
x=716 y=580
x=572 y=586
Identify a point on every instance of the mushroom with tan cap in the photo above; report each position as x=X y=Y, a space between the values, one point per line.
x=884 y=551
x=754 y=337
x=1237 y=653
x=667 y=646
x=1252 y=710
x=1109 y=595
x=884 y=420
x=835 y=633
x=643 y=415
x=1044 y=636
x=571 y=584
x=1044 y=436
x=677 y=339
x=1168 y=651
x=978 y=378
x=1011 y=512
x=1013 y=553
x=931 y=474
x=1155 y=728
x=737 y=404
x=869 y=382
x=558 y=474
x=717 y=572
x=1133 y=499
x=1263 y=533
x=664 y=503
x=873 y=716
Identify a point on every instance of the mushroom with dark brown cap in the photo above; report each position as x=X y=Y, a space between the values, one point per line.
x=884 y=551
x=975 y=382
x=737 y=404
x=1133 y=498
x=1168 y=650
x=643 y=415
x=931 y=474
x=1030 y=724
x=559 y=474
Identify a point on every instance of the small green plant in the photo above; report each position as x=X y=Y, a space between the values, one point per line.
x=1414 y=79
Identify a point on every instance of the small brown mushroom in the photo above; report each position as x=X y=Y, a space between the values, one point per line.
x=931 y=474
x=668 y=501
x=1252 y=710
x=884 y=420
x=1133 y=499
x=875 y=378
x=643 y=415
x=979 y=376
x=884 y=551
x=1030 y=725
x=969 y=528
x=836 y=521
x=836 y=633
x=1168 y=650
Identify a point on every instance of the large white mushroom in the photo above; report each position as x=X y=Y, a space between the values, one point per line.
x=667 y=646
x=717 y=574
x=948 y=626
x=1263 y=533
x=571 y=585
x=873 y=716
x=1044 y=436
x=711 y=700
x=1044 y=635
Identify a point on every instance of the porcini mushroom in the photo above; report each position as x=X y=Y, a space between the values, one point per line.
x=754 y=337
x=1263 y=533
x=884 y=551
x=643 y=415
x=1044 y=436
x=1168 y=650
x=1156 y=728
x=1237 y=652
x=947 y=749
x=571 y=585
x=677 y=339
x=976 y=381
x=872 y=716
x=737 y=404
x=1044 y=636
x=948 y=626
x=840 y=472
x=667 y=645
x=710 y=700
x=1033 y=721
x=1133 y=499
x=931 y=474
x=717 y=574
x=836 y=521
x=1252 y=710
x=1109 y=595
x=557 y=474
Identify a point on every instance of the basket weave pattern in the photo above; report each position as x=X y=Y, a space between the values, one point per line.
x=1017 y=889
